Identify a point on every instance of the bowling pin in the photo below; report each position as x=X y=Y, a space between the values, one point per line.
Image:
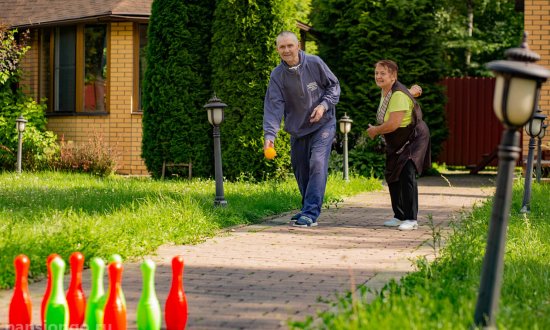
x=117 y=258
x=20 y=314
x=148 y=309
x=57 y=310
x=114 y=317
x=75 y=295
x=175 y=309
x=96 y=301
x=48 y=287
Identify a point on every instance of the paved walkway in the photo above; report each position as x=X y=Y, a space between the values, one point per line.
x=258 y=277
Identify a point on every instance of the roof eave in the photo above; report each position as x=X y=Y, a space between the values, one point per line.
x=95 y=18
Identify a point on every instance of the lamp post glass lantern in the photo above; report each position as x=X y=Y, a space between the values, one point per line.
x=345 y=128
x=541 y=135
x=517 y=89
x=533 y=129
x=215 y=111
x=20 y=124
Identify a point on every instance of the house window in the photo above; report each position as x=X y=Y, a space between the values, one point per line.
x=64 y=69
x=44 y=75
x=73 y=68
x=140 y=64
x=95 y=67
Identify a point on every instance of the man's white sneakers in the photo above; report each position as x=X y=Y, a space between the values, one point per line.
x=408 y=225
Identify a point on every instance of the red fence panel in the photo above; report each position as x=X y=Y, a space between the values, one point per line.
x=474 y=130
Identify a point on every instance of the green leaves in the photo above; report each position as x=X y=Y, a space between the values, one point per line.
x=355 y=35
x=39 y=146
x=242 y=56
x=177 y=85
x=197 y=48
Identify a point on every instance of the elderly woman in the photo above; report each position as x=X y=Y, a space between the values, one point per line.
x=399 y=121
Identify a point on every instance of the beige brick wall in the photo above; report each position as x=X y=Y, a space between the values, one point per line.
x=120 y=129
x=537 y=25
x=29 y=81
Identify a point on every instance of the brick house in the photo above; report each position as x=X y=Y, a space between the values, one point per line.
x=88 y=60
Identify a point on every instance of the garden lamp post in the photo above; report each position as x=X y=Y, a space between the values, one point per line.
x=215 y=109
x=345 y=127
x=533 y=128
x=20 y=123
x=517 y=88
x=539 y=152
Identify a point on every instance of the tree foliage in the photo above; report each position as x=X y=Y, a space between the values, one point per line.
x=496 y=26
x=39 y=146
x=177 y=85
x=200 y=48
x=227 y=47
x=354 y=35
x=242 y=57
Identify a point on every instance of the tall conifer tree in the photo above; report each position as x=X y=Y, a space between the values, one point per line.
x=242 y=57
x=177 y=85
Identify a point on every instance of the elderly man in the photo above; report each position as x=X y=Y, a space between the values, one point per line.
x=304 y=91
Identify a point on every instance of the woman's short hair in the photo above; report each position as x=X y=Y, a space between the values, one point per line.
x=388 y=64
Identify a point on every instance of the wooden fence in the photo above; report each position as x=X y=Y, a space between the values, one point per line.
x=474 y=130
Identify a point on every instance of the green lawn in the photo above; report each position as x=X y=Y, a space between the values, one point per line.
x=443 y=294
x=44 y=213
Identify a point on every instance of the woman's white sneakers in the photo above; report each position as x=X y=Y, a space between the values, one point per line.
x=402 y=225
x=408 y=225
x=394 y=222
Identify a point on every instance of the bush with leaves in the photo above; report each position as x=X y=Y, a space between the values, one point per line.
x=94 y=157
x=475 y=32
x=39 y=145
x=354 y=35
x=177 y=85
x=243 y=55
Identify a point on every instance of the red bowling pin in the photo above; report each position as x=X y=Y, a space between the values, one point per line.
x=75 y=295
x=175 y=310
x=48 y=287
x=114 y=317
x=20 y=305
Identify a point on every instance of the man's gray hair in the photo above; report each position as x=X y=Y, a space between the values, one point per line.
x=287 y=34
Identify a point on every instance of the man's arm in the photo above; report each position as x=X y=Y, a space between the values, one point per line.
x=273 y=113
x=331 y=86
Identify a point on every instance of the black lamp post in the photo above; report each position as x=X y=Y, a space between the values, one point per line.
x=539 y=152
x=517 y=89
x=533 y=128
x=345 y=127
x=215 y=108
x=20 y=123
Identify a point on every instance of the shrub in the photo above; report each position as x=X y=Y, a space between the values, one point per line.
x=242 y=57
x=94 y=157
x=177 y=85
x=372 y=30
x=39 y=146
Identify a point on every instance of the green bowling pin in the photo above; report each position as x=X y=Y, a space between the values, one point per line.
x=117 y=258
x=148 y=309
x=57 y=309
x=97 y=299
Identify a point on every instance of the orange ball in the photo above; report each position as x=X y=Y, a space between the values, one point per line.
x=270 y=153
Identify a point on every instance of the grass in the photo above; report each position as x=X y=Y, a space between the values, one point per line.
x=443 y=294
x=44 y=213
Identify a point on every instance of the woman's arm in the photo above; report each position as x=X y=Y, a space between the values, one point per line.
x=393 y=123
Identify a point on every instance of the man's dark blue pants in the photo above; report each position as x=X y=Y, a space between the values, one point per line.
x=309 y=157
